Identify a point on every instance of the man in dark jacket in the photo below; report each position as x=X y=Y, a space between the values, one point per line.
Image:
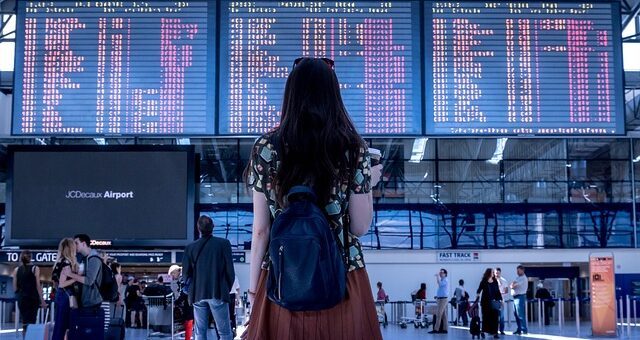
x=543 y=294
x=208 y=267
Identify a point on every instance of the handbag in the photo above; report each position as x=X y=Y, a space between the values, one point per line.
x=496 y=305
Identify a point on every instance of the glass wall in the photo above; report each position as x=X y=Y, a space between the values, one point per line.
x=456 y=193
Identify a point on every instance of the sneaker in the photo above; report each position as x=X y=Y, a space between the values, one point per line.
x=434 y=332
x=502 y=333
x=517 y=333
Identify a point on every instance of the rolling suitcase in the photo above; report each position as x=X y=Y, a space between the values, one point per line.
x=116 y=330
x=87 y=323
x=42 y=330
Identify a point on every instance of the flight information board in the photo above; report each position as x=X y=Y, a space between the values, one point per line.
x=375 y=46
x=115 y=68
x=512 y=68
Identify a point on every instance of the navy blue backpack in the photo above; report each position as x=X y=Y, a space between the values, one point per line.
x=307 y=270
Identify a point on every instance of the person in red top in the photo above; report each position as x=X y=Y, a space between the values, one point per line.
x=422 y=292
x=382 y=295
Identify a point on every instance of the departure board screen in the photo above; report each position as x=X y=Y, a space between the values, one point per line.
x=511 y=68
x=115 y=68
x=375 y=46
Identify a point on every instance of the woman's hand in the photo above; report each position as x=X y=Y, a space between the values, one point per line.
x=252 y=296
x=376 y=174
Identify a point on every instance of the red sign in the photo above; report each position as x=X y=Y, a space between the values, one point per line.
x=603 y=295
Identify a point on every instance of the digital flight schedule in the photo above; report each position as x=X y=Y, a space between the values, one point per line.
x=406 y=68
x=512 y=68
x=115 y=68
x=375 y=46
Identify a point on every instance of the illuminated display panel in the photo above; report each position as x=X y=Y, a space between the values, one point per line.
x=375 y=46
x=114 y=68
x=520 y=68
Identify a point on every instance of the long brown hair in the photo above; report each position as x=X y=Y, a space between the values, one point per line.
x=67 y=251
x=488 y=273
x=317 y=141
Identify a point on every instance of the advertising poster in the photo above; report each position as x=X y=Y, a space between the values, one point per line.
x=603 y=295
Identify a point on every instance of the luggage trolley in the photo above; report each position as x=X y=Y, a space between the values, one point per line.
x=160 y=321
x=420 y=319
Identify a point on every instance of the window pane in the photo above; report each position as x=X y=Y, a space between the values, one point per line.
x=534 y=149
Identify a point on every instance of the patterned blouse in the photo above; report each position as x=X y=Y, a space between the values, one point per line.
x=264 y=164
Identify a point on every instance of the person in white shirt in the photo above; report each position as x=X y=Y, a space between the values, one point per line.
x=519 y=287
x=462 y=301
x=442 y=298
x=506 y=296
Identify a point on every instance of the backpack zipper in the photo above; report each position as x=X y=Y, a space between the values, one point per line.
x=280 y=253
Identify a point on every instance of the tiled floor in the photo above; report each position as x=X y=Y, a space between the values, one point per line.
x=392 y=332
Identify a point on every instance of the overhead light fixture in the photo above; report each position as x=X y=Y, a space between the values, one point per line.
x=501 y=143
x=100 y=141
x=417 y=152
x=183 y=141
x=637 y=159
x=41 y=141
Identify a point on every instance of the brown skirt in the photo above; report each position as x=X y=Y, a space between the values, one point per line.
x=353 y=319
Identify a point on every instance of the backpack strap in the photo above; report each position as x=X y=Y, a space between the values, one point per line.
x=99 y=270
x=302 y=190
x=195 y=261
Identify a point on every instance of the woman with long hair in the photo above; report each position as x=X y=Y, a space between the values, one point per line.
x=490 y=303
x=26 y=283
x=315 y=145
x=66 y=294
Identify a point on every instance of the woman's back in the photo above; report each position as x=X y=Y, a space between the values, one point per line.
x=265 y=168
x=316 y=145
x=27 y=282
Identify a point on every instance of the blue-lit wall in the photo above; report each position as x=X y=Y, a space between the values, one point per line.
x=540 y=193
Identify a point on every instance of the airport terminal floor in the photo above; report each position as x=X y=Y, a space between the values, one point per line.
x=394 y=332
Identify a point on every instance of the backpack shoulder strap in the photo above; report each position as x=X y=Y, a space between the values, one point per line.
x=195 y=260
x=98 y=280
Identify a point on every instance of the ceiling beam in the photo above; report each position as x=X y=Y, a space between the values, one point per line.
x=630 y=18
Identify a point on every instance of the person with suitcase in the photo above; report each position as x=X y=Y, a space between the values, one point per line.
x=474 y=326
x=87 y=322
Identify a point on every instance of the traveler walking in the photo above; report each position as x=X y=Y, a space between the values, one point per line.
x=26 y=284
x=67 y=290
x=506 y=296
x=462 y=301
x=208 y=266
x=490 y=302
x=520 y=286
x=315 y=146
x=442 y=298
